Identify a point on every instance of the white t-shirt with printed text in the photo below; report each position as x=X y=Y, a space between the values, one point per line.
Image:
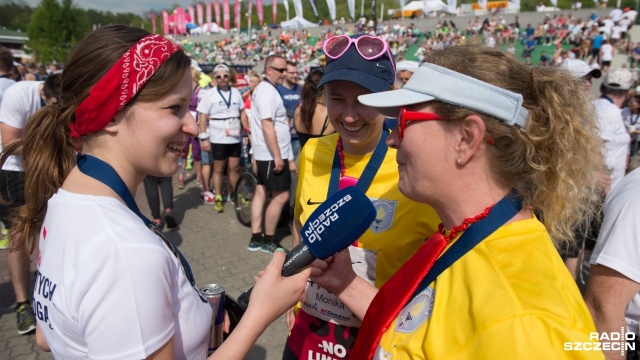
x=107 y=287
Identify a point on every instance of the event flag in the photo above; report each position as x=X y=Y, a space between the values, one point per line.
x=207 y=13
x=199 y=13
x=297 y=7
x=165 y=22
x=180 y=20
x=153 y=23
x=315 y=8
x=226 y=14
x=260 y=12
x=236 y=13
x=286 y=7
x=331 y=4
x=352 y=9
x=192 y=14
x=216 y=10
x=274 y=7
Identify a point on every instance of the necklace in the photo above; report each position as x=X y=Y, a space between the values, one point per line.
x=345 y=181
x=462 y=227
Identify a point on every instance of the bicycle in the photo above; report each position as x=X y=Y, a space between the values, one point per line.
x=244 y=191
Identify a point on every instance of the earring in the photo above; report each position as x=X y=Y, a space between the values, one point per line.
x=459 y=161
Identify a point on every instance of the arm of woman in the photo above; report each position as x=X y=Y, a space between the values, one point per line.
x=608 y=311
x=262 y=310
x=336 y=275
x=40 y=340
x=297 y=120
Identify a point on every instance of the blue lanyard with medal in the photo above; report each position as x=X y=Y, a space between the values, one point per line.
x=226 y=101
x=106 y=174
x=338 y=181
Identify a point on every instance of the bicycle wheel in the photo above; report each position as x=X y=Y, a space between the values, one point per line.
x=245 y=189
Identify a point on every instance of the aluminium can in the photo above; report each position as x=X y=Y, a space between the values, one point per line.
x=214 y=294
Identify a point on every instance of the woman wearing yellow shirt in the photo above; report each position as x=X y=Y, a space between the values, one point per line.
x=488 y=142
x=356 y=155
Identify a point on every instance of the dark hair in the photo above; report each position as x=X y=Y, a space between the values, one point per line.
x=6 y=60
x=291 y=63
x=308 y=98
x=48 y=152
x=52 y=86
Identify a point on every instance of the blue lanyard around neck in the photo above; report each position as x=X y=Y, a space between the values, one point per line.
x=106 y=174
x=226 y=101
x=369 y=172
x=502 y=212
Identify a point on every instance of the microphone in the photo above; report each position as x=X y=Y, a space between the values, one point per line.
x=333 y=226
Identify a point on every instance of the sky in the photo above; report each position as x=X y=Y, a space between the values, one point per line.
x=116 y=6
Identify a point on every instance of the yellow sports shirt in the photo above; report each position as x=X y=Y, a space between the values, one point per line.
x=511 y=297
x=401 y=225
x=325 y=328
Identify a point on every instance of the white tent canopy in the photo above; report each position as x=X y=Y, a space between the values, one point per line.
x=211 y=28
x=425 y=6
x=297 y=23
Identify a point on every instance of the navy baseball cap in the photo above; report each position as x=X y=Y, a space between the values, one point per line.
x=375 y=75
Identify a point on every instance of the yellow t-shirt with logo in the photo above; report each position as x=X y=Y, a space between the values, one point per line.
x=324 y=326
x=401 y=224
x=511 y=297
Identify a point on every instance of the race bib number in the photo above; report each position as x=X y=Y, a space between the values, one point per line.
x=232 y=127
x=326 y=306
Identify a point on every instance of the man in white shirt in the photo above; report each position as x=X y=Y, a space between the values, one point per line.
x=19 y=102
x=222 y=108
x=271 y=142
x=613 y=289
x=6 y=70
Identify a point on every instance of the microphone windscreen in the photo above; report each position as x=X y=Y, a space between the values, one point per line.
x=337 y=222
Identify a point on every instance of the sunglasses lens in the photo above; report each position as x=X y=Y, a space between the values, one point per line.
x=337 y=45
x=370 y=47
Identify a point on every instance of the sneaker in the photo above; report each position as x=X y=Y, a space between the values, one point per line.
x=254 y=245
x=180 y=184
x=219 y=206
x=170 y=219
x=4 y=239
x=26 y=320
x=208 y=197
x=158 y=223
x=268 y=247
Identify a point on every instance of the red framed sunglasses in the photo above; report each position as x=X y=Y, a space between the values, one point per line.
x=407 y=115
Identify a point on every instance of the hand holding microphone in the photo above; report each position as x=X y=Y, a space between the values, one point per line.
x=332 y=227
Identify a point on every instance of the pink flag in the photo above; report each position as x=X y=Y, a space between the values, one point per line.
x=199 y=13
x=260 y=13
x=181 y=26
x=165 y=22
x=226 y=14
x=207 y=12
x=153 y=23
x=216 y=10
x=274 y=6
x=236 y=12
x=192 y=14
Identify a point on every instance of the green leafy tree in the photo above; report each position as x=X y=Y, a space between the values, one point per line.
x=14 y=14
x=55 y=29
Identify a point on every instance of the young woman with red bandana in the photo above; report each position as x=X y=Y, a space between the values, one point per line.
x=109 y=285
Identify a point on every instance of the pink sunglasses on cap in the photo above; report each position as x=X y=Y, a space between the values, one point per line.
x=369 y=47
